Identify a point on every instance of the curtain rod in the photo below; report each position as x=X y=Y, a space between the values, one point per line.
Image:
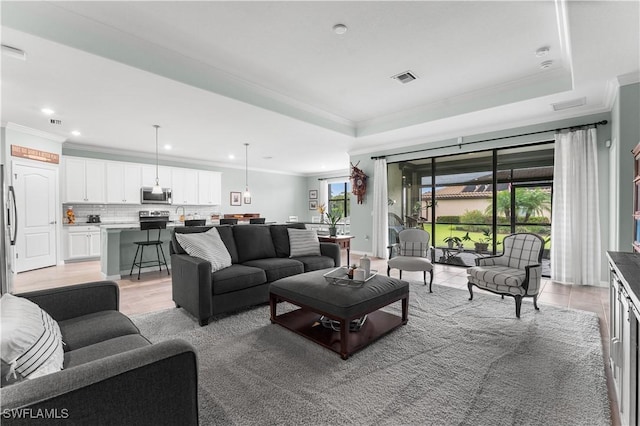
x=461 y=144
x=333 y=177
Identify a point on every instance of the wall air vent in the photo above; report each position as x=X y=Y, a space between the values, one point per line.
x=55 y=122
x=405 y=77
x=569 y=104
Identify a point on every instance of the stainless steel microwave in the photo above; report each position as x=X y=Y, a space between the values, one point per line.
x=148 y=197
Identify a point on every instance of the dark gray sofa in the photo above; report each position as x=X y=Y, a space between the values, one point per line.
x=259 y=255
x=112 y=374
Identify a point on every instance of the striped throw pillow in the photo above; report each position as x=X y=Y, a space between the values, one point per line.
x=31 y=343
x=208 y=246
x=303 y=242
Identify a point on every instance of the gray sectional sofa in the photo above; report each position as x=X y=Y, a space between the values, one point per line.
x=111 y=375
x=259 y=255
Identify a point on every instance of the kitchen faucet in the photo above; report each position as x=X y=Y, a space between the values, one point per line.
x=181 y=219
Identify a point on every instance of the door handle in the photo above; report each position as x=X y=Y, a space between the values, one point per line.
x=53 y=223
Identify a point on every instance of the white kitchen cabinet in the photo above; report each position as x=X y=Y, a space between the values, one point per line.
x=149 y=175
x=123 y=182
x=84 y=180
x=185 y=186
x=623 y=333
x=209 y=188
x=82 y=242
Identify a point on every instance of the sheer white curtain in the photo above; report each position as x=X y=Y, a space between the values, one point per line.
x=575 y=224
x=323 y=194
x=380 y=218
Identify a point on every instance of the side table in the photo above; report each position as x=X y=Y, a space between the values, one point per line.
x=344 y=241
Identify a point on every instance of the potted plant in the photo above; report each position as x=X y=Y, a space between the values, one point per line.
x=482 y=244
x=332 y=219
x=451 y=241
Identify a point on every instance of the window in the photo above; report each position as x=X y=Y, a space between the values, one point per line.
x=339 y=198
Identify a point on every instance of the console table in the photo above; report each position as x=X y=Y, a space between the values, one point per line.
x=344 y=241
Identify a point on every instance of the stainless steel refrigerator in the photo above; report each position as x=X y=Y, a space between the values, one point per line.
x=8 y=224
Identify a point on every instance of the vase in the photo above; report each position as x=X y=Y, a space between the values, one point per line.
x=333 y=231
x=450 y=244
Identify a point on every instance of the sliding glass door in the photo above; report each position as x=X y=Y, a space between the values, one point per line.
x=470 y=202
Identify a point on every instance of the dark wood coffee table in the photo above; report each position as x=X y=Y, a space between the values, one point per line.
x=316 y=297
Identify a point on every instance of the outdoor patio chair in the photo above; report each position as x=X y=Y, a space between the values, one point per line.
x=413 y=253
x=516 y=272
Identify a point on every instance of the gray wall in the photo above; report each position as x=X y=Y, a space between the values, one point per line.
x=625 y=134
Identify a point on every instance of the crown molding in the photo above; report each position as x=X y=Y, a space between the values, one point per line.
x=630 y=78
x=33 y=132
x=173 y=161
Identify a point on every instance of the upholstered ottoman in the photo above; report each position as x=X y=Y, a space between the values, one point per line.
x=316 y=297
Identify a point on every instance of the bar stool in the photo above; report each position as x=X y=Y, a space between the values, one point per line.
x=146 y=226
x=228 y=221
x=256 y=221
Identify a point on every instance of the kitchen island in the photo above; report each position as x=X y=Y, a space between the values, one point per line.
x=118 y=248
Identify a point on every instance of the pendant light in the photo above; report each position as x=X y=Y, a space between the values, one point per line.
x=246 y=171
x=157 y=189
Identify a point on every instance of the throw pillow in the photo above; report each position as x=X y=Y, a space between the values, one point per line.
x=303 y=242
x=408 y=248
x=31 y=343
x=208 y=246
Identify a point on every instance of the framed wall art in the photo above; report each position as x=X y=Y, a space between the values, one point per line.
x=313 y=194
x=235 y=198
x=313 y=205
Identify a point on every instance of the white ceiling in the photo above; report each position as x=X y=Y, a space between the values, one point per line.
x=215 y=75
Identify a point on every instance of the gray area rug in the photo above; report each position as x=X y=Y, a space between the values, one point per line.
x=455 y=363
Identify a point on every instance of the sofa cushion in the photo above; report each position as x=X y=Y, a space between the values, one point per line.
x=31 y=340
x=280 y=237
x=104 y=349
x=313 y=263
x=93 y=328
x=208 y=246
x=303 y=242
x=226 y=234
x=237 y=277
x=253 y=242
x=276 y=267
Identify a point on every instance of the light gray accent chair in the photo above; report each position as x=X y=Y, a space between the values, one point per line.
x=516 y=272
x=412 y=253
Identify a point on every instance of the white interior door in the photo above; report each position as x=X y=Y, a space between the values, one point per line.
x=36 y=204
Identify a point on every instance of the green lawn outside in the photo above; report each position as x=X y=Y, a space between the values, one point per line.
x=444 y=230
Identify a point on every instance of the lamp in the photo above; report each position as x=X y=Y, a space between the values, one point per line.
x=246 y=171
x=157 y=189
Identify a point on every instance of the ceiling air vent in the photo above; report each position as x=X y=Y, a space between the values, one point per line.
x=569 y=104
x=405 y=77
x=56 y=122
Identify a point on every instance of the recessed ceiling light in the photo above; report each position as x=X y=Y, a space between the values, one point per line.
x=543 y=51
x=231 y=156
x=267 y=158
x=340 y=29
x=75 y=133
x=47 y=111
x=167 y=147
x=546 y=64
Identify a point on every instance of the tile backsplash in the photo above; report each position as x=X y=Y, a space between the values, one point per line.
x=113 y=213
